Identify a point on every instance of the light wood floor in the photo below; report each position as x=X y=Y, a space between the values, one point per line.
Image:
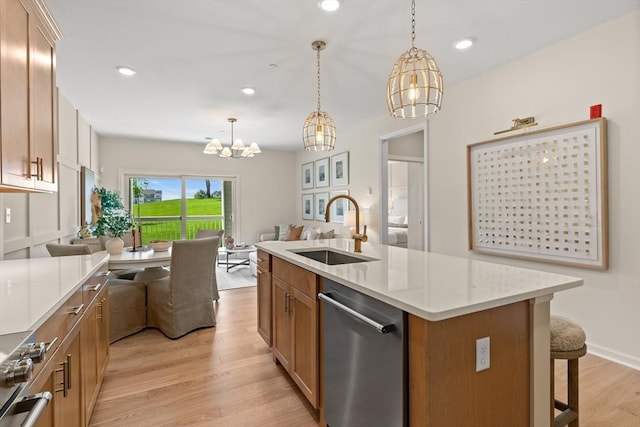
x=225 y=376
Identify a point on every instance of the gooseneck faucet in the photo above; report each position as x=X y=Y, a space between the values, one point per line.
x=357 y=238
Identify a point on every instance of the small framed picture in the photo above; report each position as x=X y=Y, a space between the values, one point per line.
x=322 y=173
x=307 y=176
x=307 y=206
x=339 y=207
x=340 y=169
x=321 y=205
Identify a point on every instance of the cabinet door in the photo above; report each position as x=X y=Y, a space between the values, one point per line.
x=88 y=334
x=67 y=409
x=304 y=364
x=264 y=305
x=41 y=106
x=281 y=303
x=14 y=94
x=102 y=334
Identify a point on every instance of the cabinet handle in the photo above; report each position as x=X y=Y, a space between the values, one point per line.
x=62 y=369
x=51 y=343
x=68 y=371
x=41 y=166
x=77 y=310
x=289 y=303
x=286 y=303
x=95 y=287
x=99 y=311
x=260 y=259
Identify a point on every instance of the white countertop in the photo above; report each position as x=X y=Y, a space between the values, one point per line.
x=32 y=289
x=427 y=284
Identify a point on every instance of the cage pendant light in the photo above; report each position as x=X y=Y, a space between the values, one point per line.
x=414 y=88
x=319 y=131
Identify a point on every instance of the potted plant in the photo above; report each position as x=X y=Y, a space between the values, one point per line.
x=113 y=221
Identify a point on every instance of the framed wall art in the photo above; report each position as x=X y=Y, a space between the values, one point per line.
x=322 y=172
x=541 y=195
x=321 y=204
x=307 y=206
x=87 y=184
x=340 y=169
x=339 y=207
x=307 y=176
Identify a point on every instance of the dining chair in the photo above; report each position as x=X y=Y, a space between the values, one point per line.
x=63 y=249
x=200 y=234
x=183 y=302
x=127 y=308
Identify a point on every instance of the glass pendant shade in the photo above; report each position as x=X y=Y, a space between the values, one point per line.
x=319 y=132
x=415 y=85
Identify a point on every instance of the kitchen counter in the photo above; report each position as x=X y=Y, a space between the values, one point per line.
x=32 y=289
x=429 y=285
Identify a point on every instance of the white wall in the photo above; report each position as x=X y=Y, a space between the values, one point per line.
x=41 y=218
x=265 y=184
x=556 y=85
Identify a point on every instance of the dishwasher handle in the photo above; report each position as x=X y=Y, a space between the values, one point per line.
x=383 y=329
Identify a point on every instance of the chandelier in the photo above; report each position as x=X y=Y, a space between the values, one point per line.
x=319 y=132
x=414 y=88
x=236 y=150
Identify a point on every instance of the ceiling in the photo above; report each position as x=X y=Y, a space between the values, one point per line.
x=193 y=56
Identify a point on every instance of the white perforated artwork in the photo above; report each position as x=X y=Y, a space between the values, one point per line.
x=540 y=195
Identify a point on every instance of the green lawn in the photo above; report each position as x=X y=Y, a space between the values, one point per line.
x=195 y=207
x=170 y=229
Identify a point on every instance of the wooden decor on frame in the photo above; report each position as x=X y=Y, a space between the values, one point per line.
x=541 y=195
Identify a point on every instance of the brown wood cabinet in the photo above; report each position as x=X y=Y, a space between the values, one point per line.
x=27 y=97
x=264 y=296
x=296 y=326
x=78 y=334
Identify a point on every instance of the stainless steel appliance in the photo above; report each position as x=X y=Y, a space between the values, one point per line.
x=365 y=350
x=18 y=353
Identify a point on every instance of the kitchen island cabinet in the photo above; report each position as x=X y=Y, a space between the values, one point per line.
x=263 y=284
x=451 y=303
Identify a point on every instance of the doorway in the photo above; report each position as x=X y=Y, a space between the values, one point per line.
x=403 y=188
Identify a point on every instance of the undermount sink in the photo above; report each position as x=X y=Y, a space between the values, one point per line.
x=329 y=257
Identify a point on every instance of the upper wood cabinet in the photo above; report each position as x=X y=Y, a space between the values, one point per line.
x=28 y=119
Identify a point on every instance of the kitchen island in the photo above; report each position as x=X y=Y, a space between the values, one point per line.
x=450 y=303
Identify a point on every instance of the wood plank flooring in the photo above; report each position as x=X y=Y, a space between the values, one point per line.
x=225 y=376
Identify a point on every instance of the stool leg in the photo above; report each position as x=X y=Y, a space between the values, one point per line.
x=572 y=378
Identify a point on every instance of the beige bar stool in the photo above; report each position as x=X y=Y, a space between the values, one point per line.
x=567 y=343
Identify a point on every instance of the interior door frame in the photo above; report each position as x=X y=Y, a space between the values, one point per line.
x=383 y=222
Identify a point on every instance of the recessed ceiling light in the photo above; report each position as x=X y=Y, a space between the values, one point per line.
x=329 y=5
x=465 y=43
x=248 y=90
x=125 y=71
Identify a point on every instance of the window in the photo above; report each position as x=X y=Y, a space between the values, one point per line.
x=172 y=208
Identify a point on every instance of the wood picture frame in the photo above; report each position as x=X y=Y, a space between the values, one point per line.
x=541 y=195
x=322 y=172
x=307 y=176
x=321 y=200
x=307 y=207
x=340 y=169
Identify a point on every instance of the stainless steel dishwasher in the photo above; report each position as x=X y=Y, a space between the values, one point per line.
x=365 y=374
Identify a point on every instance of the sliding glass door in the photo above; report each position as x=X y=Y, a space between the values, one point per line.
x=172 y=208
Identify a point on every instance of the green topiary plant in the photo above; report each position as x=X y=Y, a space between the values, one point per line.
x=114 y=220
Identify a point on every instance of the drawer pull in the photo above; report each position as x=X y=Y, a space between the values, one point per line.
x=51 y=343
x=68 y=371
x=95 y=287
x=260 y=260
x=77 y=310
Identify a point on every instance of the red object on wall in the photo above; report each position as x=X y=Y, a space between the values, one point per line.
x=596 y=111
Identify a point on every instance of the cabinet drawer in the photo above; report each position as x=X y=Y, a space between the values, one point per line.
x=93 y=285
x=264 y=260
x=60 y=323
x=299 y=278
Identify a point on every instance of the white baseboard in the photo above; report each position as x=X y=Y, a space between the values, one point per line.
x=614 y=356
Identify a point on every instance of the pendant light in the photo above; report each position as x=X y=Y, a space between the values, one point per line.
x=319 y=132
x=414 y=88
x=236 y=148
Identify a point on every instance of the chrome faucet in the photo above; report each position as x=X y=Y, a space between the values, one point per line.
x=357 y=238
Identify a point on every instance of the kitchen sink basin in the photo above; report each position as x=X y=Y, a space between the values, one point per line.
x=331 y=257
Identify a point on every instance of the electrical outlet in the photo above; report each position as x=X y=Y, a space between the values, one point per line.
x=483 y=354
x=7 y=216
